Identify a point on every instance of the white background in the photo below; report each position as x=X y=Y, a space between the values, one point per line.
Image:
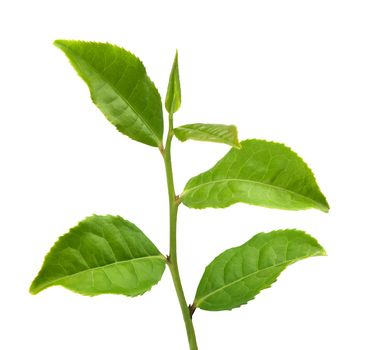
x=297 y=72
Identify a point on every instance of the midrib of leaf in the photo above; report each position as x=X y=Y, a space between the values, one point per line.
x=201 y=130
x=287 y=262
x=161 y=257
x=207 y=132
x=257 y=183
x=118 y=94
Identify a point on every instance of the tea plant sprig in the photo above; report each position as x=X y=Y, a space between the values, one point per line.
x=107 y=254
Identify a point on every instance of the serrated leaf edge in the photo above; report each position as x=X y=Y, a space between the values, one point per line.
x=325 y=208
x=322 y=252
x=34 y=290
x=59 y=44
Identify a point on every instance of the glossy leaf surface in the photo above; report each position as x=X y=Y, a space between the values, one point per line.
x=102 y=254
x=220 y=133
x=120 y=87
x=173 y=96
x=239 y=274
x=261 y=173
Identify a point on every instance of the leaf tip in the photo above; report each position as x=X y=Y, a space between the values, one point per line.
x=237 y=145
x=322 y=204
x=326 y=207
x=33 y=290
x=59 y=43
x=62 y=44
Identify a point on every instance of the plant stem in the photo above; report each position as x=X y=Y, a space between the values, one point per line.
x=172 y=259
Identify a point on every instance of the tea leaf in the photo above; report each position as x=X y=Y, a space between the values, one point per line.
x=120 y=88
x=239 y=274
x=173 y=96
x=102 y=254
x=227 y=134
x=261 y=173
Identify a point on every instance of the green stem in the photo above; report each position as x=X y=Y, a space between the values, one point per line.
x=172 y=259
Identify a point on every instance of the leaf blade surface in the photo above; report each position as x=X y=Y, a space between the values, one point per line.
x=119 y=87
x=261 y=173
x=102 y=254
x=237 y=275
x=219 y=133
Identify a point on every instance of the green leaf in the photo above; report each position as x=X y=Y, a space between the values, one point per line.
x=173 y=96
x=102 y=254
x=239 y=274
x=209 y=132
x=120 y=88
x=261 y=173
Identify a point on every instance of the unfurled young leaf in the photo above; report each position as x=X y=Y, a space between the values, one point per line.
x=239 y=274
x=102 y=254
x=261 y=173
x=173 y=96
x=120 y=87
x=220 y=133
